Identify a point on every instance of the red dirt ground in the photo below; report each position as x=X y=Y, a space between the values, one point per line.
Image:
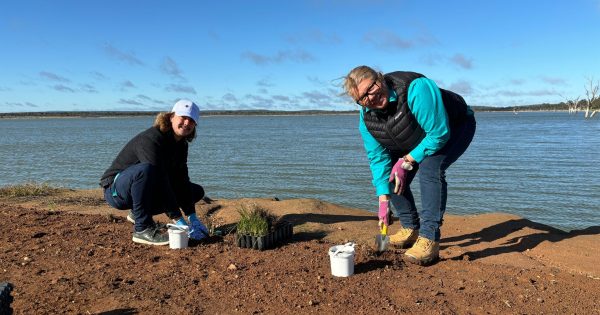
x=70 y=253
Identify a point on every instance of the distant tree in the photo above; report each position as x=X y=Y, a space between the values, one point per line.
x=572 y=104
x=591 y=93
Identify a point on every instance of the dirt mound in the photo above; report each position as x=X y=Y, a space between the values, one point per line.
x=76 y=257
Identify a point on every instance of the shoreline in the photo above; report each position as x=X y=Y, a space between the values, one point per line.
x=499 y=230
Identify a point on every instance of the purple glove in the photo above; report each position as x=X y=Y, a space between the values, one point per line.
x=400 y=176
x=384 y=214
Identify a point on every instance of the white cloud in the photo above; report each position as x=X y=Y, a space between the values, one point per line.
x=387 y=40
x=300 y=56
x=462 y=61
x=98 y=76
x=318 y=98
x=316 y=81
x=553 y=81
x=170 y=67
x=461 y=87
x=117 y=54
x=88 y=88
x=19 y=104
x=127 y=85
x=264 y=83
x=280 y=98
x=513 y=93
x=258 y=101
x=63 y=88
x=314 y=36
x=53 y=77
x=130 y=102
x=180 y=89
x=230 y=98
x=431 y=59
x=149 y=99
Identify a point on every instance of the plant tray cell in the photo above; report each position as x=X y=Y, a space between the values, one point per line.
x=280 y=233
x=5 y=298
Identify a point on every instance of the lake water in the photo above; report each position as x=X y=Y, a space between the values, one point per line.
x=543 y=166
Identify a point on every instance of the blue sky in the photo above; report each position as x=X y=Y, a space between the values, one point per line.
x=287 y=55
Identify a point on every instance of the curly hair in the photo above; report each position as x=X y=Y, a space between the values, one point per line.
x=163 y=123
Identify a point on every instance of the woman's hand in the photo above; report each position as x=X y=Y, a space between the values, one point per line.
x=399 y=176
x=384 y=213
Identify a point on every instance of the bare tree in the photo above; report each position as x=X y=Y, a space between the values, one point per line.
x=591 y=93
x=572 y=104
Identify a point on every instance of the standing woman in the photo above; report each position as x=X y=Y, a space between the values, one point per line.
x=150 y=176
x=409 y=125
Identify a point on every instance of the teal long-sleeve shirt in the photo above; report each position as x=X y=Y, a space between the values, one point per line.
x=425 y=102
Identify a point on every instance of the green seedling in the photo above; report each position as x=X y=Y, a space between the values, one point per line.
x=254 y=220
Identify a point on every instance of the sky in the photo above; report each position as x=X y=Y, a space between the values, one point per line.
x=288 y=55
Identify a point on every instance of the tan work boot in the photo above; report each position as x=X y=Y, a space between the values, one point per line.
x=424 y=252
x=404 y=238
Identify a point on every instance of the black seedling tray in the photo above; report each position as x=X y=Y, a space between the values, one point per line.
x=279 y=234
x=5 y=298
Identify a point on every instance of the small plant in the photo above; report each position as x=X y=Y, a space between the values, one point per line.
x=28 y=189
x=260 y=229
x=254 y=220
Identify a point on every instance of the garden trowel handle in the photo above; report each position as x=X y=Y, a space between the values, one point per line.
x=384 y=229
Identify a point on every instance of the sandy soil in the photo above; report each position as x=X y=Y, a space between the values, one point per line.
x=70 y=253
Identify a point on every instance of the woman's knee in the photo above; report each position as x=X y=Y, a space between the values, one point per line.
x=144 y=170
x=197 y=192
x=146 y=167
x=432 y=168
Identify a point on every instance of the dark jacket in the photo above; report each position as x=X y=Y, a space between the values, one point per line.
x=396 y=128
x=169 y=156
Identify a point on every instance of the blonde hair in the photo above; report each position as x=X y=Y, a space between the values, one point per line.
x=163 y=123
x=356 y=75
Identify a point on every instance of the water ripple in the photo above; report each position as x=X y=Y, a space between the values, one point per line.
x=542 y=166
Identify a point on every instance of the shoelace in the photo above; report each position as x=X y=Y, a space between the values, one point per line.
x=155 y=230
x=405 y=232
x=160 y=226
x=426 y=242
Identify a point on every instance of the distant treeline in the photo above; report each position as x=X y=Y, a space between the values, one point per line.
x=540 y=107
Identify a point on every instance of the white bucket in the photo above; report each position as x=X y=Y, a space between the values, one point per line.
x=178 y=236
x=342 y=260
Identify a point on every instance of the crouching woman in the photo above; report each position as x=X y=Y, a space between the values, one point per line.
x=150 y=176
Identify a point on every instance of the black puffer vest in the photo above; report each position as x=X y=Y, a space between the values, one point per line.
x=395 y=127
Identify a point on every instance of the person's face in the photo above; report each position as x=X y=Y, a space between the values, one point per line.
x=372 y=94
x=182 y=126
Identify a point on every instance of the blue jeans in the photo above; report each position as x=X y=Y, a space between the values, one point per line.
x=140 y=189
x=432 y=180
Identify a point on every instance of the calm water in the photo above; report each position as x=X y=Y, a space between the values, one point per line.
x=542 y=166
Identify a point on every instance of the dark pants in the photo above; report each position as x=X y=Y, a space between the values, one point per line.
x=139 y=188
x=432 y=180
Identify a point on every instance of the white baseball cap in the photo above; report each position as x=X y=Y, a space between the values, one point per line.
x=187 y=108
